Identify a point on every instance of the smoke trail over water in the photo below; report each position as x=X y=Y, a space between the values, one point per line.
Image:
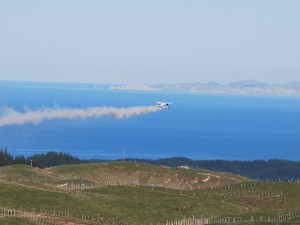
x=9 y=116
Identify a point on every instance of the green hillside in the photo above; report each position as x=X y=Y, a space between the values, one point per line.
x=145 y=175
x=133 y=193
x=15 y=221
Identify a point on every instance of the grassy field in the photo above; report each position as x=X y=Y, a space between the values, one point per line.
x=15 y=221
x=146 y=175
x=152 y=195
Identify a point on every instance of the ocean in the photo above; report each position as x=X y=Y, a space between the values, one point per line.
x=197 y=126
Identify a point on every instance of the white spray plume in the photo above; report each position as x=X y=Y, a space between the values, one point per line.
x=9 y=116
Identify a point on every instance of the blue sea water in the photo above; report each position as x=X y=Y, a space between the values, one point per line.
x=198 y=126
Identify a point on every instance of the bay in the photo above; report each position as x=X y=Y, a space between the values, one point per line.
x=197 y=126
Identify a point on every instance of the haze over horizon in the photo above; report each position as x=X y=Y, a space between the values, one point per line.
x=150 y=41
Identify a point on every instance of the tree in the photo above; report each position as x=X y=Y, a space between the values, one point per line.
x=5 y=158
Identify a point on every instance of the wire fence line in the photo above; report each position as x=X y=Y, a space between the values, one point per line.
x=55 y=217
x=77 y=184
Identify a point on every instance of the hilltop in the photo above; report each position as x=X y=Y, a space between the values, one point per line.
x=137 y=193
x=273 y=169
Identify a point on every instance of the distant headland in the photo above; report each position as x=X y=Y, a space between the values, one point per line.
x=244 y=87
x=248 y=87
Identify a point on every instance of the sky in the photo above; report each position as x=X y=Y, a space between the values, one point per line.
x=156 y=41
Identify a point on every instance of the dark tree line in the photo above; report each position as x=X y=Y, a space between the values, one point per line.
x=52 y=158
x=6 y=158
x=42 y=160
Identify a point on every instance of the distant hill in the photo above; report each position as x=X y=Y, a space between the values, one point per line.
x=248 y=84
x=239 y=87
x=248 y=87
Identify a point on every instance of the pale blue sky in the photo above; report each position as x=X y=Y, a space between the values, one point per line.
x=153 y=41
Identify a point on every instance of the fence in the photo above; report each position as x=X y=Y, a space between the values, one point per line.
x=53 y=217
x=77 y=184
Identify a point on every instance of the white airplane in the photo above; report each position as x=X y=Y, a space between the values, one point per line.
x=164 y=105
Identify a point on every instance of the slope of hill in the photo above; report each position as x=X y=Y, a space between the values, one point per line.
x=145 y=175
x=134 y=193
x=273 y=169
